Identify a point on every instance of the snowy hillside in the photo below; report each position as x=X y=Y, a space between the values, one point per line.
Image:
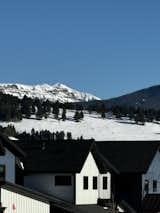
x=93 y=127
x=56 y=92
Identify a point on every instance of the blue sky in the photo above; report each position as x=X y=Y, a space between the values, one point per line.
x=105 y=47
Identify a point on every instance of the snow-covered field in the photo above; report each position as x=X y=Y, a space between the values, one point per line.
x=93 y=127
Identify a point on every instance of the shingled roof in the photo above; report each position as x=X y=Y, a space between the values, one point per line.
x=61 y=157
x=129 y=156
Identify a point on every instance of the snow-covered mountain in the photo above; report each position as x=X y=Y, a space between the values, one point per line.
x=56 y=92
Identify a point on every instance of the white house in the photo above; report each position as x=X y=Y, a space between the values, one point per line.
x=151 y=179
x=63 y=177
x=18 y=199
x=73 y=172
x=15 y=198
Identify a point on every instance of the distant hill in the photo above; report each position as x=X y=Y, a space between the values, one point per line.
x=146 y=98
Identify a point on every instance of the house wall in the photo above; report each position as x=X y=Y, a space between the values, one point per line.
x=153 y=173
x=104 y=194
x=46 y=183
x=9 y=161
x=22 y=204
x=90 y=196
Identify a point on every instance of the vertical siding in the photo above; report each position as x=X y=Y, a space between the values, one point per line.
x=46 y=183
x=104 y=194
x=22 y=203
x=9 y=161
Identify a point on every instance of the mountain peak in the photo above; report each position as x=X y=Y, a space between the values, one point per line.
x=57 y=92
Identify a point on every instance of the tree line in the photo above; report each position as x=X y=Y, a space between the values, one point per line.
x=43 y=135
x=14 y=109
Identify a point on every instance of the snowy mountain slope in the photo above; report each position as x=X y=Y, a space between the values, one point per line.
x=93 y=127
x=56 y=92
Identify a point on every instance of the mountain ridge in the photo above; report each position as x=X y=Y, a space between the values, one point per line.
x=148 y=98
x=56 y=92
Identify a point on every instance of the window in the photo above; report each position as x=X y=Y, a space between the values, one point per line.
x=85 y=182
x=63 y=180
x=105 y=182
x=94 y=183
x=2 y=172
x=154 y=186
x=146 y=186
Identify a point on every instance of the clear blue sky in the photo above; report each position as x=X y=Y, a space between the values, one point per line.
x=105 y=47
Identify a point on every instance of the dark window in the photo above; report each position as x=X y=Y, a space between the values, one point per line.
x=94 y=183
x=85 y=182
x=63 y=180
x=105 y=182
x=2 y=173
x=146 y=186
x=154 y=186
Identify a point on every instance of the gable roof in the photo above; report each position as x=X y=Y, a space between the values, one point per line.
x=129 y=156
x=5 y=142
x=53 y=201
x=61 y=157
x=69 y=156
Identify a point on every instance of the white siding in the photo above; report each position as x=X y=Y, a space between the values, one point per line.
x=9 y=161
x=46 y=183
x=104 y=194
x=153 y=173
x=22 y=203
x=90 y=196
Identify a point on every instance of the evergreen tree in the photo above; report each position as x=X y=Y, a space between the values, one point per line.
x=117 y=112
x=139 y=117
x=77 y=116
x=64 y=114
x=10 y=130
x=26 y=105
x=69 y=136
x=103 y=111
x=40 y=113
x=81 y=115
x=61 y=135
x=131 y=113
x=56 y=111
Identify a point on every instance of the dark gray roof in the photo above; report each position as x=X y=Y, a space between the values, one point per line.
x=129 y=156
x=151 y=203
x=69 y=156
x=24 y=191
x=61 y=157
x=126 y=207
x=53 y=201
